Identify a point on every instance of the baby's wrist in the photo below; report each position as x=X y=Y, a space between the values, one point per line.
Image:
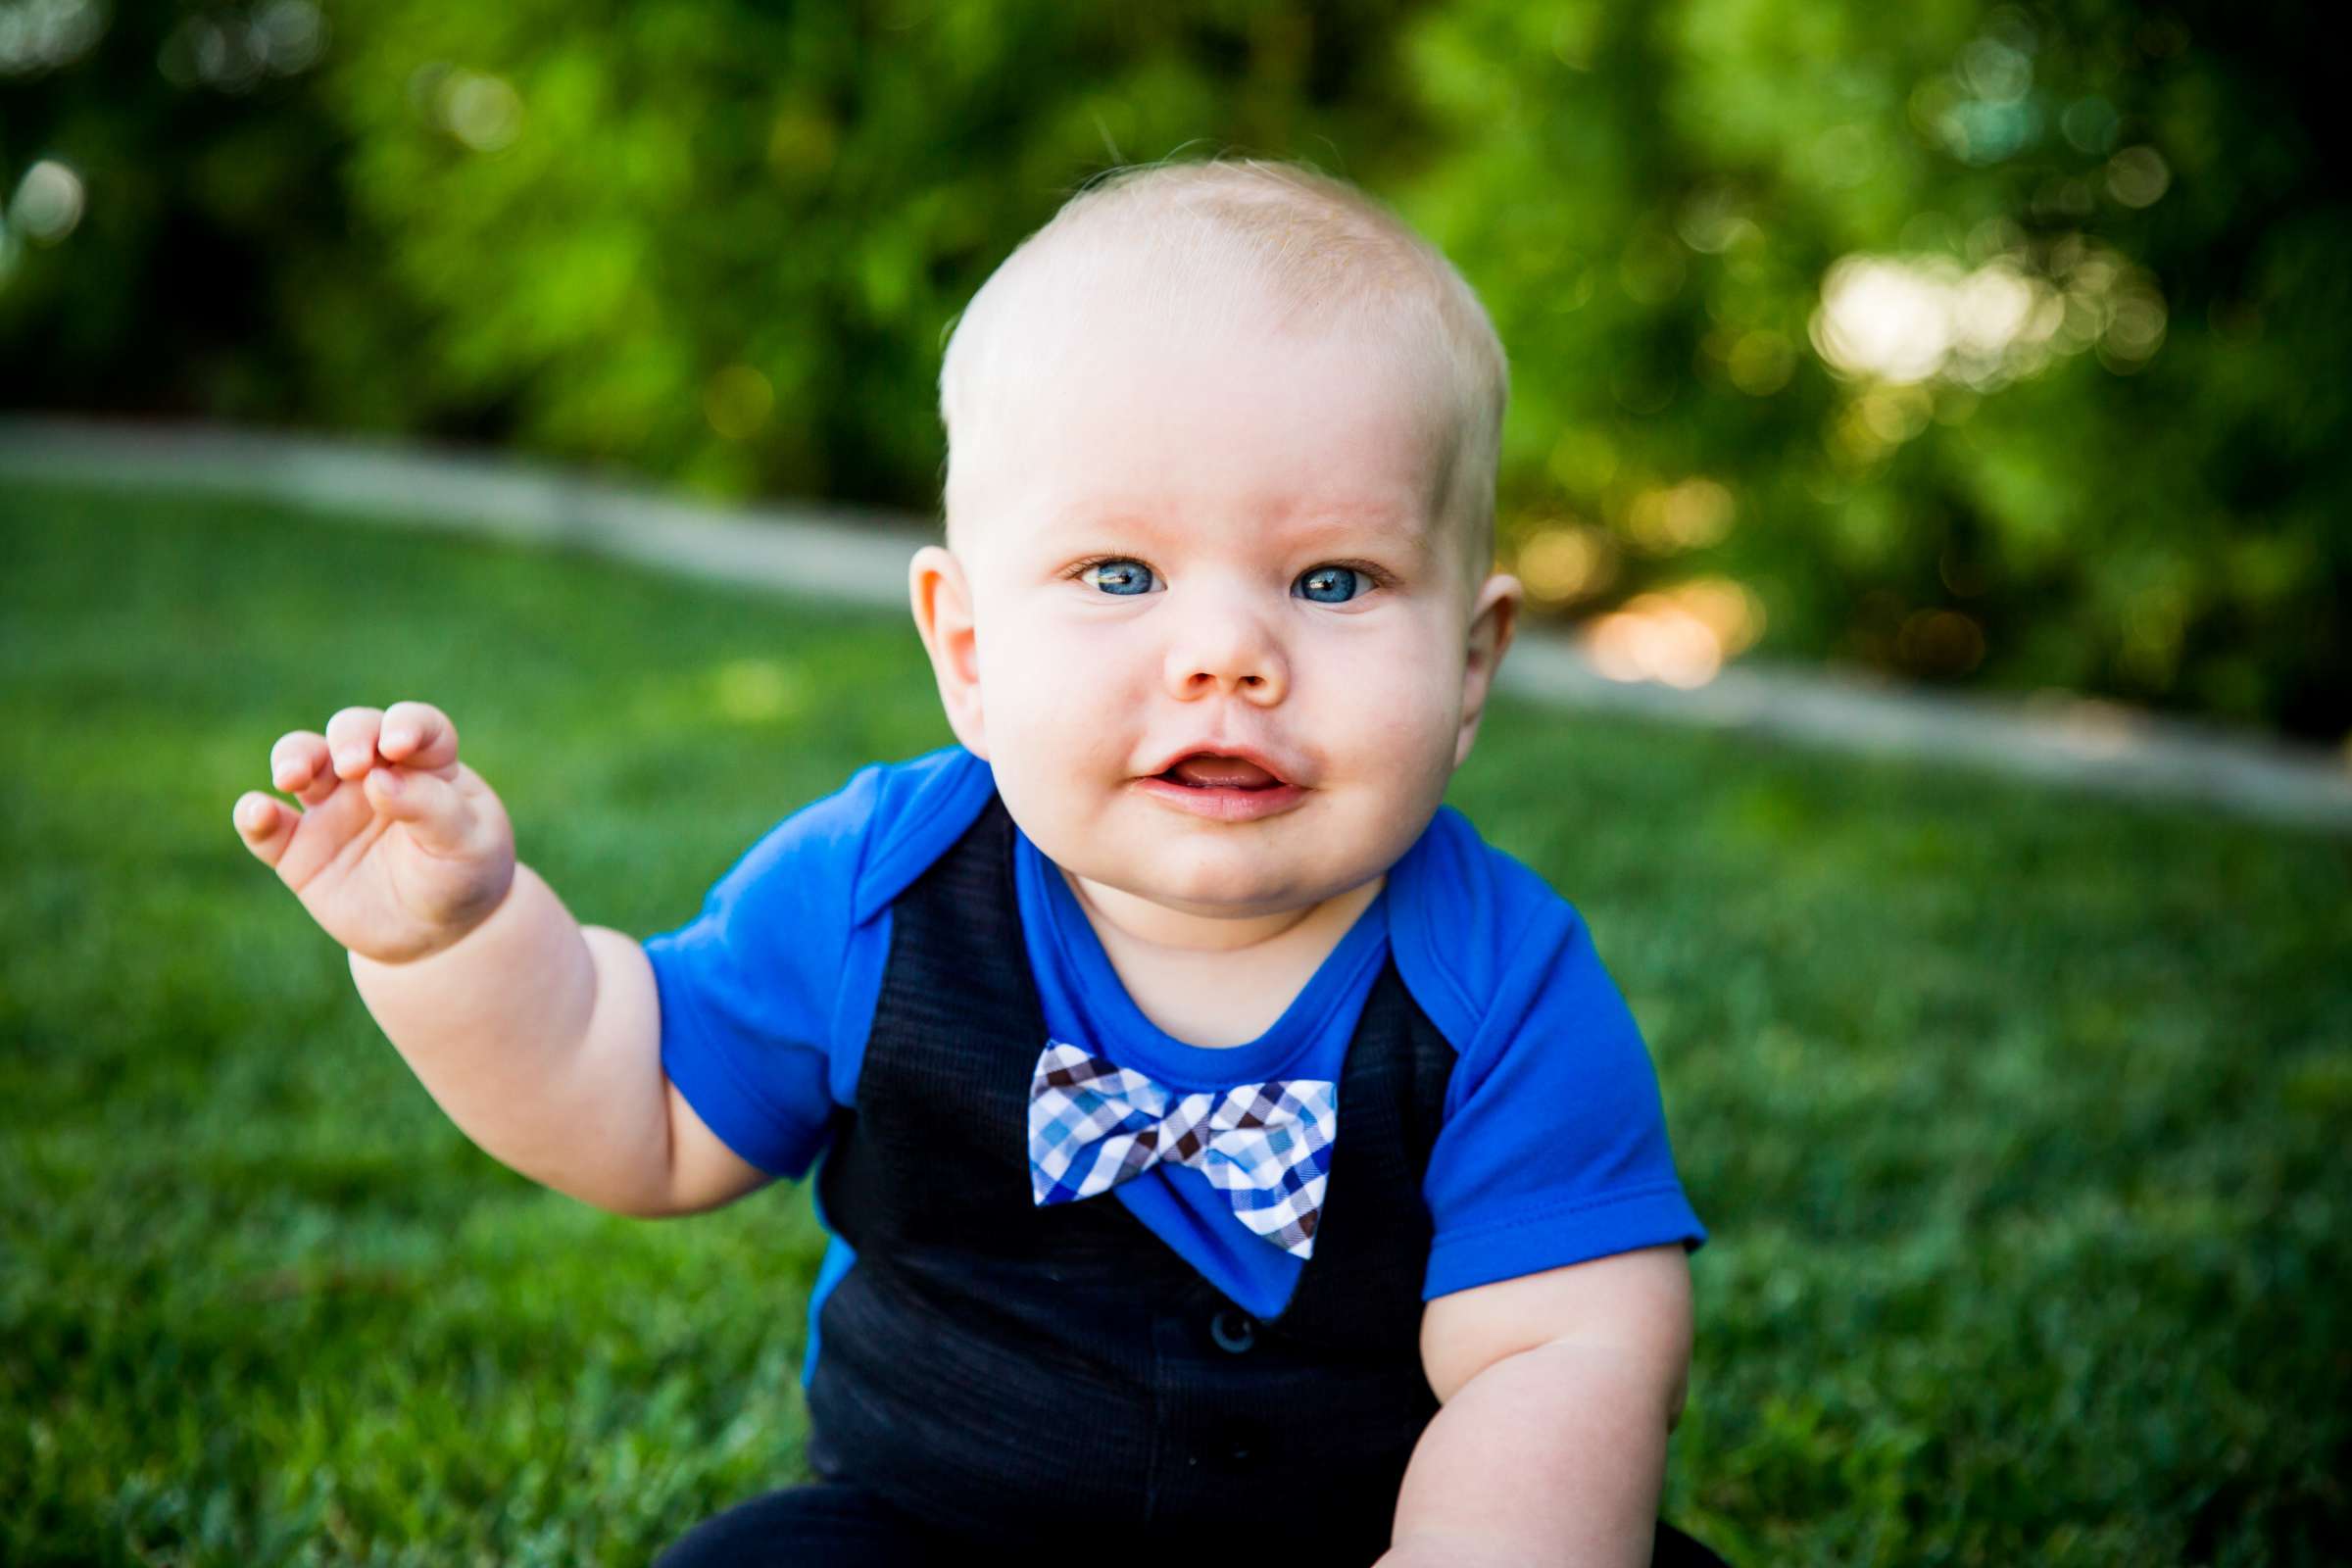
x=459 y=930
x=472 y=932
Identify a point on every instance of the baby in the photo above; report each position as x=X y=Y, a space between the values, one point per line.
x=1226 y=1153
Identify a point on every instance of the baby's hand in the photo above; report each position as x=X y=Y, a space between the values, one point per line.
x=401 y=848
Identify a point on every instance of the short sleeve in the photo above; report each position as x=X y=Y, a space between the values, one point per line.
x=749 y=989
x=1553 y=1149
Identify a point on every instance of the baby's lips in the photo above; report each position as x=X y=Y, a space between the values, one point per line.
x=1223 y=773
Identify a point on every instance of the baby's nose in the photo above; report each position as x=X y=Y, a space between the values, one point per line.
x=1227 y=654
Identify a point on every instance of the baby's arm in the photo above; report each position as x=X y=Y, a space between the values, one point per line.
x=541 y=1039
x=1558 y=1390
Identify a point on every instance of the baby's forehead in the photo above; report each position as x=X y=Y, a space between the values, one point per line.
x=1137 y=425
x=1102 y=294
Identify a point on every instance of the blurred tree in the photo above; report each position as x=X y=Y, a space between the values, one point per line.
x=724 y=240
x=205 y=219
x=1997 y=347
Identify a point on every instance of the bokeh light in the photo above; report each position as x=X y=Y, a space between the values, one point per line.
x=40 y=35
x=1563 y=564
x=1904 y=320
x=234 y=50
x=737 y=401
x=48 y=201
x=1680 y=636
x=1689 y=515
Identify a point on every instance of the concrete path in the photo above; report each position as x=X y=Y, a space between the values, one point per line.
x=861 y=556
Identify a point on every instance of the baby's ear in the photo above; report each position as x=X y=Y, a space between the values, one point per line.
x=1493 y=618
x=942 y=601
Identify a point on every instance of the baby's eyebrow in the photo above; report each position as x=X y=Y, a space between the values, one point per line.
x=1305 y=525
x=1387 y=525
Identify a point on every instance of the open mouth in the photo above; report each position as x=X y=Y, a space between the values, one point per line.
x=1219 y=787
x=1203 y=772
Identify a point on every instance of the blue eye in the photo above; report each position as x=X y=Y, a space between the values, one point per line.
x=1330 y=585
x=1120 y=576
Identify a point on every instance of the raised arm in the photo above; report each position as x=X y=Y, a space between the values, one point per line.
x=540 y=1038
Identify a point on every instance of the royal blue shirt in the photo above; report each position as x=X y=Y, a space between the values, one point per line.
x=1553 y=1150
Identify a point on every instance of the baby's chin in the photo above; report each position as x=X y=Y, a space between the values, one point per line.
x=1238 y=883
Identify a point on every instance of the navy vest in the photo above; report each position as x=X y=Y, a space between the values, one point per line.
x=1041 y=1373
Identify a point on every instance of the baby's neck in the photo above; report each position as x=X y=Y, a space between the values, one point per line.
x=1214 y=981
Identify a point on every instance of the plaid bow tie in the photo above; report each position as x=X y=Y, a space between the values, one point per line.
x=1266 y=1147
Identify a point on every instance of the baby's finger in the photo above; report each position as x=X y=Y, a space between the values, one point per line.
x=265 y=824
x=418 y=735
x=298 y=764
x=351 y=740
x=428 y=802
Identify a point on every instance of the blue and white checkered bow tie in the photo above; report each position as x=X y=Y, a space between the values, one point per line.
x=1266 y=1147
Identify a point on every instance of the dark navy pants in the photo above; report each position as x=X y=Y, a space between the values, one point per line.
x=837 y=1524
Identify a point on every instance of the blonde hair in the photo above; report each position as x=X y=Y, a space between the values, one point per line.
x=1210 y=239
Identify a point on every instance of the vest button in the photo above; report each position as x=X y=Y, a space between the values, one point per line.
x=1233 y=1331
x=1239 y=1445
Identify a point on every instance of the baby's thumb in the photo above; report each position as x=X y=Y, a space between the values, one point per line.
x=423 y=800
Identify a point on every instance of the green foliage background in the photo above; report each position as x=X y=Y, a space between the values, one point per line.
x=719 y=241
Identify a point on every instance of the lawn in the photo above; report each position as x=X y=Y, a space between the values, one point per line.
x=2020 y=1119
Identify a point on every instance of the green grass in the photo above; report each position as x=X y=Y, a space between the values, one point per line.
x=2020 y=1119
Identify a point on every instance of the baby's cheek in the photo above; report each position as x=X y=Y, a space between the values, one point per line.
x=1409 y=707
x=1057 y=732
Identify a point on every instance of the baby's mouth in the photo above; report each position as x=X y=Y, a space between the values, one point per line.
x=1206 y=772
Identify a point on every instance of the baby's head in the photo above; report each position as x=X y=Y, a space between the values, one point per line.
x=1221 y=450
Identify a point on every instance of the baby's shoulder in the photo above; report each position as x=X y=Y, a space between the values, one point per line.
x=870 y=838
x=913 y=810
x=1466 y=918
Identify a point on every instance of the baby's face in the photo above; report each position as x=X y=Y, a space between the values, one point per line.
x=1205 y=620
